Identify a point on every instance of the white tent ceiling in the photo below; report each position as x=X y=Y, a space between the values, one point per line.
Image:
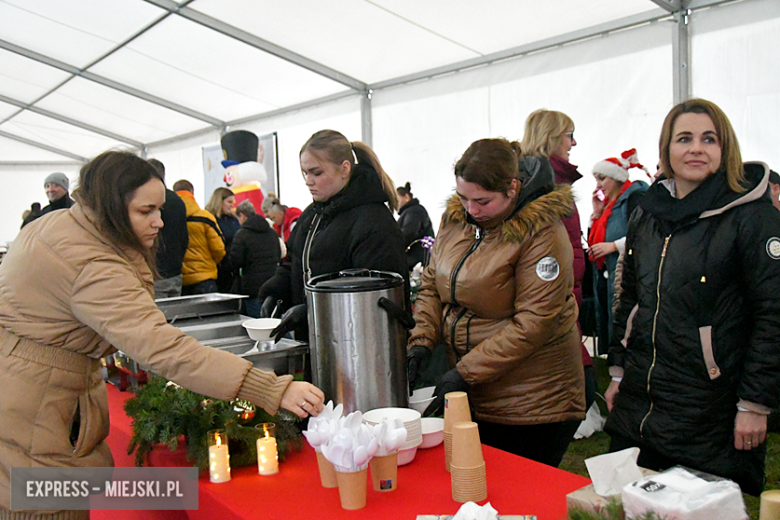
x=82 y=76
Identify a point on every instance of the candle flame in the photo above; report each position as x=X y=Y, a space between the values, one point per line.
x=219 y=440
x=267 y=434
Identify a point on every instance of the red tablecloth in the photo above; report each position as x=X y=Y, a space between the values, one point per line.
x=516 y=486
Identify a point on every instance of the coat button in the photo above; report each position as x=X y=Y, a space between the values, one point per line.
x=713 y=371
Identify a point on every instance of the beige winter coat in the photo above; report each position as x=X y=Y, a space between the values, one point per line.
x=503 y=305
x=69 y=296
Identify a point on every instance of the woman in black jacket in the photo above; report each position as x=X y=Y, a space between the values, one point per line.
x=694 y=356
x=350 y=224
x=415 y=224
x=254 y=256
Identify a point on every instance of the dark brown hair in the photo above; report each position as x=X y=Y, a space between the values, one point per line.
x=730 y=158
x=405 y=190
x=183 y=185
x=490 y=163
x=106 y=186
x=334 y=147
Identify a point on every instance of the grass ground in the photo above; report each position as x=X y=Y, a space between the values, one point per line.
x=598 y=443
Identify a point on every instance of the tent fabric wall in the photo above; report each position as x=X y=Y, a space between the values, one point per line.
x=421 y=130
x=735 y=63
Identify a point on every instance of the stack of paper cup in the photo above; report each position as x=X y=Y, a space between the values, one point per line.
x=467 y=471
x=456 y=409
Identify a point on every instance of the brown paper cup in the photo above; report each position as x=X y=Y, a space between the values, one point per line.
x=456 y=409
x=770 y=505
x=469 y=484
x=466 y=447
x=384 y=472
x=327 y=472
x=352 y=488
x=447 y=450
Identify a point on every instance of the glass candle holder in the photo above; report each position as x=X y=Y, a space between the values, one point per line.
x=219 y=456
x=267 y=453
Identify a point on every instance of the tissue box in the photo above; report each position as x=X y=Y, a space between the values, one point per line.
x=586 y=498
x=683 y=494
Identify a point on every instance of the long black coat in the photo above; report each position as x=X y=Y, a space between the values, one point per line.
x=415 y=224
x=711 y=339
x=174 y=237
x=254 y=255
x=353 y=229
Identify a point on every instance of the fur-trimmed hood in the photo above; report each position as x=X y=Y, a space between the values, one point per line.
x=527 y=219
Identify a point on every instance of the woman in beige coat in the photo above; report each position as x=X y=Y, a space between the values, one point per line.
x=76 y=286
x=498 y=294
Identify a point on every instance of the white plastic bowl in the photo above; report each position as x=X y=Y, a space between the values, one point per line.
x=421 y=398
x=260 y=329
x=406 y=415
x=406 y=456
x=432 y=431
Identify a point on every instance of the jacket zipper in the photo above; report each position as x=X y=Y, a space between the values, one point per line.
x=480 y=236
x=307 y=249
x=655 y=325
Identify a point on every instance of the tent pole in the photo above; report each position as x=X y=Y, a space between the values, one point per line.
x=365 y=117
x=681 y=56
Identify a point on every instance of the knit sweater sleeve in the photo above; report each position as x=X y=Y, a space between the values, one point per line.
x=264 y=389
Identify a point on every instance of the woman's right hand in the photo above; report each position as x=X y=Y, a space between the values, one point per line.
x=303 y=399
x=612 y=391
x=598 y=205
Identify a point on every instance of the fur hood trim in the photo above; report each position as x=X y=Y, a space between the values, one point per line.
x=525 y=222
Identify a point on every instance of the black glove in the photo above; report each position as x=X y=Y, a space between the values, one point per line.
x=450 y=382
x=415 y=357
x=268 y=307
x=294 y=318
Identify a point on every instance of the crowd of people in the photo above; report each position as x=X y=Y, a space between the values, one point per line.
x=685 y=268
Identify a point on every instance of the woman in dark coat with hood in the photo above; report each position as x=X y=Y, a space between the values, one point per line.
x=254 y=255
x=415 y=224
x=349 y=225
x=694 y=355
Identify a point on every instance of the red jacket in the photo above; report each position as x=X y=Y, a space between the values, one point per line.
x=290 y=217
x=566 y=173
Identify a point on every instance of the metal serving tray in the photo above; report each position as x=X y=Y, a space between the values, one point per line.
x=199 y=305
x=214 y=327
x=286 y=357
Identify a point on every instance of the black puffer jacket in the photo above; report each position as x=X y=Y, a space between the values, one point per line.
x=710 y=341
x=254 y=255
x=415 y=224
x=353 y=229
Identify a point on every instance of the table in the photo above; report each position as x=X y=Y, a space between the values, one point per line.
x=516 y=486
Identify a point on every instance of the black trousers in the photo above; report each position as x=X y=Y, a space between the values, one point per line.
x=545 y=443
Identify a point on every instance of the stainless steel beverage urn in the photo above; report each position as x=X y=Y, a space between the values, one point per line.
x=357 y=335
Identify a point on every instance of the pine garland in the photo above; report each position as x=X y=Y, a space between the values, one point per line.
x=163 y=412
x=613 y=510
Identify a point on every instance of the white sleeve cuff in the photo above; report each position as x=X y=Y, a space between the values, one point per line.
x=620 y=243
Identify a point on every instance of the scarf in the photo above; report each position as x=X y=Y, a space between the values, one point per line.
x=598 y=231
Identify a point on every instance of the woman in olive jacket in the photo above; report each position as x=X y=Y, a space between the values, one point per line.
x=498 y=293
x=694 y=357
x=76 y=286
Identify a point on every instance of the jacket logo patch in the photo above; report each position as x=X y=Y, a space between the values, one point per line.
x=773 y=248
x=548 y=269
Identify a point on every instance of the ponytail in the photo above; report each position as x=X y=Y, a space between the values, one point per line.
x=365 y=154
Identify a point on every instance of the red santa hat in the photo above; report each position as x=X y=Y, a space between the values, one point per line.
x=617 y=167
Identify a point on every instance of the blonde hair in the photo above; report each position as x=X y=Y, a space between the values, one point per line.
x=730 y=158
x=217 y=198
x=333 y=146
x=544 y=130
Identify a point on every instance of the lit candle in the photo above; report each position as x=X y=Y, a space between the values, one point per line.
x=219 y=457
x=267 y=454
